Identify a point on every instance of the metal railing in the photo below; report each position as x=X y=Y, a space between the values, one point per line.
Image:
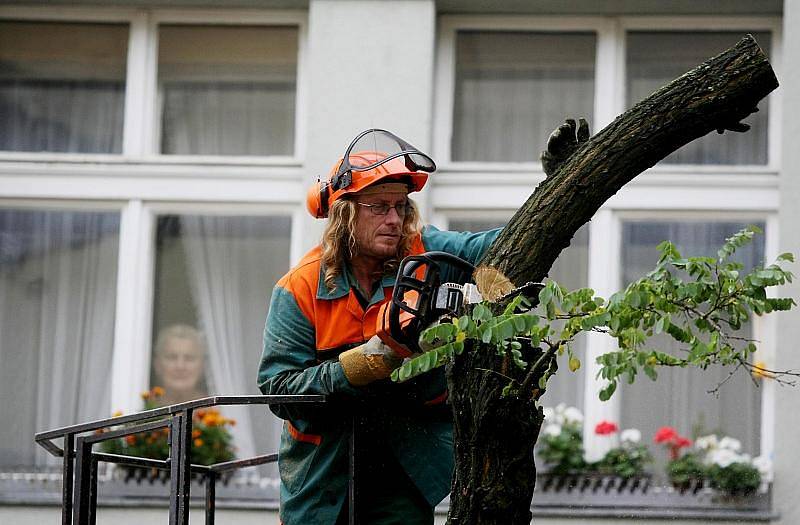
x=79 y=463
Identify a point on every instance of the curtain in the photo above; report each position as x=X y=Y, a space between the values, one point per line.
x=680 y=397
x=656 y=58
x=233 y=263
x=57 y=301
x=61 y=116
x=62 y=86
x=227 y=90
x=223 y=118
x=512 y=89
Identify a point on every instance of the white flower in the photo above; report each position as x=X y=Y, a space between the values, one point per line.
x=723 y=457
x=706 y=443
x=552 y=430
x=729 y=443
x=573 y=415
x=764 y=466
x=630 y=435
x=549 y=413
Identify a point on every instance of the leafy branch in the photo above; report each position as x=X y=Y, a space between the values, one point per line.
x=699 y=302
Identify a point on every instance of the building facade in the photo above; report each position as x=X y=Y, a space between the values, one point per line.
x=154 y=159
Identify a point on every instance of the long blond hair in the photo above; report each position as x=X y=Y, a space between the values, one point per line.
x=339 y=240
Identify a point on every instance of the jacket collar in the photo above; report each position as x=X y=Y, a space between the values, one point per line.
x=342 y=286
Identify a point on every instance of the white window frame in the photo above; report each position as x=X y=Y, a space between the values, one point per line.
x=738 y=187
x=141 y=122
x=142 y=184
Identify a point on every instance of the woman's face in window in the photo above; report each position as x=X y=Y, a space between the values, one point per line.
x=179 y=365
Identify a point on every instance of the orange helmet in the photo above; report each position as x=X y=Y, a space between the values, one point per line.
x=373 y=157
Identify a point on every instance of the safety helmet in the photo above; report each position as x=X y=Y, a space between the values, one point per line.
x=375 y=156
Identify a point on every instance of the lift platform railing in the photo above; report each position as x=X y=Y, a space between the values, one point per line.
x=79 y=464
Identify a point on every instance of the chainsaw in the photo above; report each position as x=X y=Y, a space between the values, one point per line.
x=420 y=298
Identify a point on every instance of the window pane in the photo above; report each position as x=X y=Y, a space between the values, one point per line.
x=214 y=277
x=227 y=90
x=680 y=397
x=58 y=274
x=571 y=269
x=513 y=88
x=656 y=58
x=62 y=86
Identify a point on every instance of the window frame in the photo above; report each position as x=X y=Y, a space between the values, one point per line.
x=462 y=178
x=141 y=125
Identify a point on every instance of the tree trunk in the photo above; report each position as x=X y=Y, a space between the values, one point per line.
x=495 y=435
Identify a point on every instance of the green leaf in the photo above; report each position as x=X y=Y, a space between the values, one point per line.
x=650 y=372
x=481 y=312
x=543 y=382
x=786 y=257
x=608 y=391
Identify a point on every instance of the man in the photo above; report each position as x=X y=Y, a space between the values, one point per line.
x=320 y=339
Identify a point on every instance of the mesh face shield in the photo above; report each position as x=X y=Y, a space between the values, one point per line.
x=377 y=147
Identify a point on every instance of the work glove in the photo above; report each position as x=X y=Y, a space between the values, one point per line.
x=562 y=143
x=369 y=362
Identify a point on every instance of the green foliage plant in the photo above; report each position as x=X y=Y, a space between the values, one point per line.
x=700 y=302
x=212 y=441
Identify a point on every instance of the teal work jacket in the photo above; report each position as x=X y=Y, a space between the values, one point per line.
x=307 y=327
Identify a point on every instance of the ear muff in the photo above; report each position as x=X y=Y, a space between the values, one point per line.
x=324 y=195
x=317 y=200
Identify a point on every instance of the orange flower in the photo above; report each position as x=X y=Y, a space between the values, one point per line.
x=130 y=440
x=231 y=422
x=158 y=391
x=211 y=419
x=117 y=413
x=145 y=395
x=198 y=442
x=196 y=433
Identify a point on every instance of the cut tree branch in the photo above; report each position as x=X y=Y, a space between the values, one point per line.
x=716 y=95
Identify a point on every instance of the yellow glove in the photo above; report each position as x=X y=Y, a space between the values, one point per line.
x=369 y=362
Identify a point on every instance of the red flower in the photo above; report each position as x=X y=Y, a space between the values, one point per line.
x=674 y=442
x=665 y=435
x=605 y=428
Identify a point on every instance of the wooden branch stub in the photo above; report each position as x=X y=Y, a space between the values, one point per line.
x=715 y=95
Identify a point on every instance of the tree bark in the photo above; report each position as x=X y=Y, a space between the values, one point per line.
x=494 y=434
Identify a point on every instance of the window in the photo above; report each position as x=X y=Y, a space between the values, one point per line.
x=58 y=276
x=214 y=277
x=227 y=90
x=680 y=398
x=570 y=270
x=513 y=88
x=62 y=86
x=656 y=58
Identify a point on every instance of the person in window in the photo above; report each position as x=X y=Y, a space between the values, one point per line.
x=179 y=364
x=320 y=339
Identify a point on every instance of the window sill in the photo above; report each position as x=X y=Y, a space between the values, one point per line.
x=579 y=499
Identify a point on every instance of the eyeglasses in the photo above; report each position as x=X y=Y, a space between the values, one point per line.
x=383 y=209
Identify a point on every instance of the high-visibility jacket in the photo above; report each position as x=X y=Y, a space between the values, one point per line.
x=307 y=327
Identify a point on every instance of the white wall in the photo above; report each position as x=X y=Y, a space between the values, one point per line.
x=787 y=421
x=370 y=65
